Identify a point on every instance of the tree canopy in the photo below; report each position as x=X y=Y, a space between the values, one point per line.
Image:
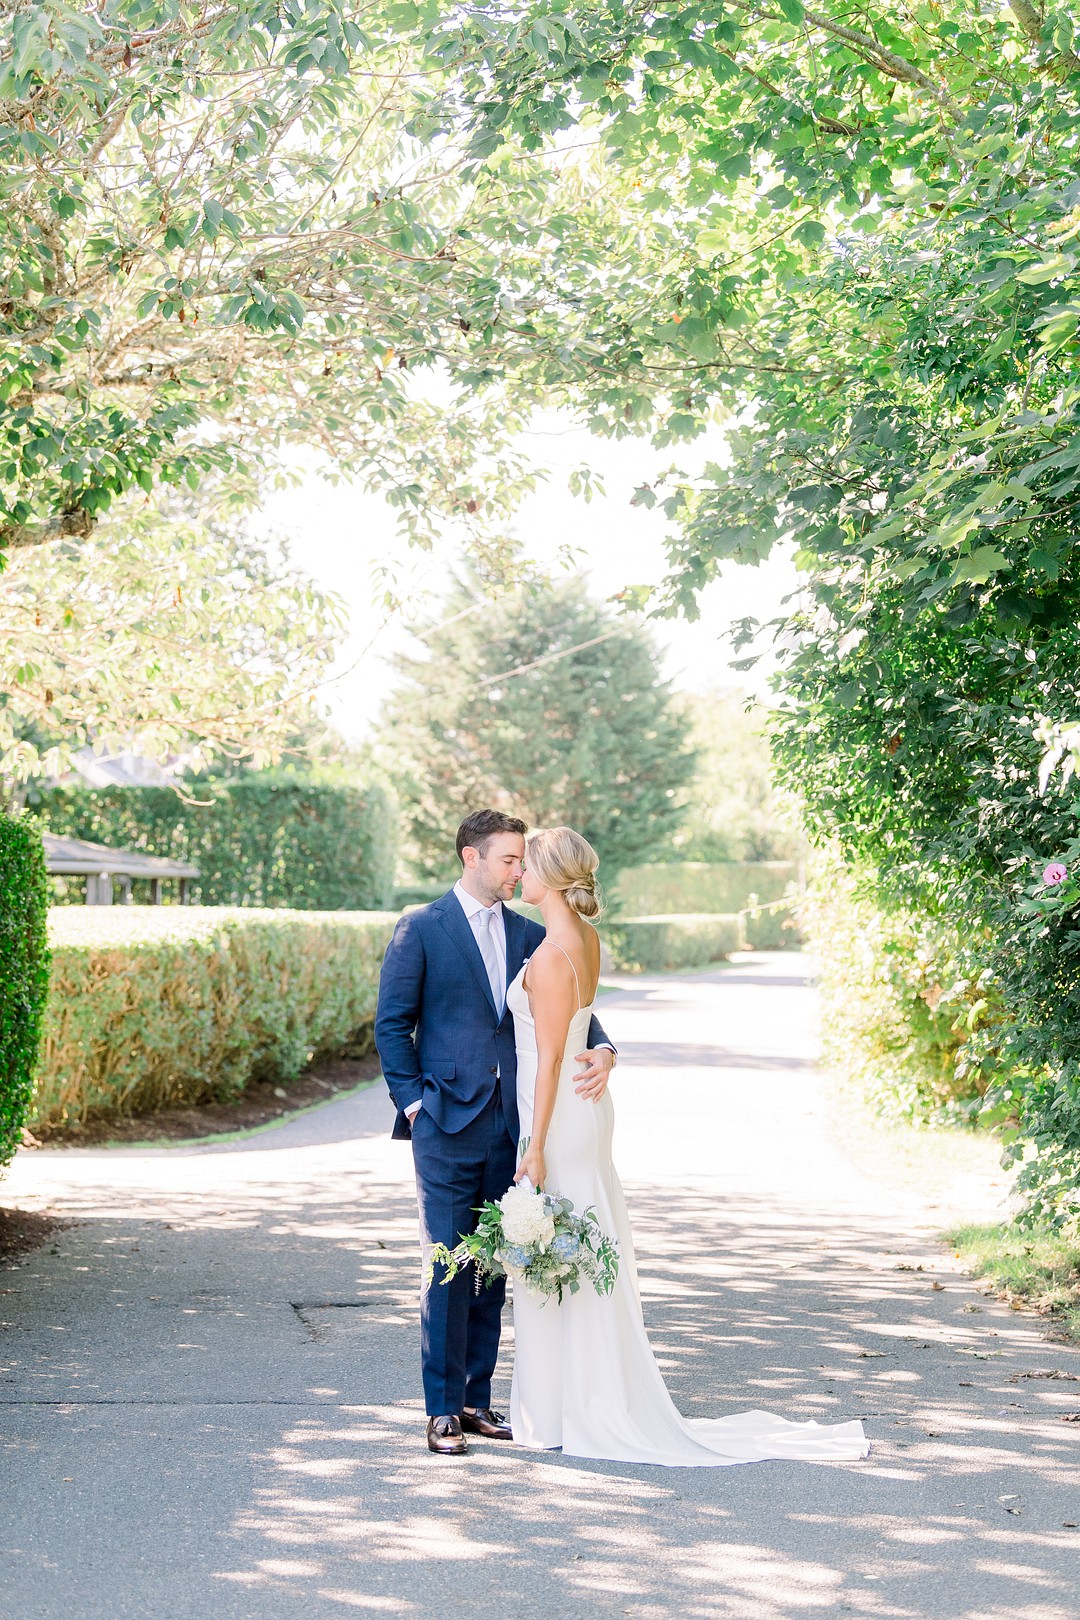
x=859 y=237
x=230 y=227
x=227 y=227
x=174 y=632
x=545 y=705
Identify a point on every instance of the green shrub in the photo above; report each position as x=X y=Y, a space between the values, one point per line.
x=262 y=840
x=156 y=1006
x=904 y=1017
x=663 y=944
x=686 y=887
x=24 y=972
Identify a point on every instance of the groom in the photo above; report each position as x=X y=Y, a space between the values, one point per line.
x=446 y=1042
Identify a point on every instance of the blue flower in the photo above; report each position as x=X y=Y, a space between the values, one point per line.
x=566 y=1246
x=517 y=1256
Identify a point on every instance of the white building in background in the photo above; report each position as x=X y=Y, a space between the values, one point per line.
x=125 y=769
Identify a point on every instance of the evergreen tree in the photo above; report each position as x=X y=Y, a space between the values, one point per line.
x=734 y=811
x=546 y=705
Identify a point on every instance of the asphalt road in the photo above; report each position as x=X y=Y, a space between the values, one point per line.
x=210 y=1399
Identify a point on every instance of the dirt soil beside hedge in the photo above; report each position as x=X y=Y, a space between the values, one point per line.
x=22 y=1230
x=258 y=1105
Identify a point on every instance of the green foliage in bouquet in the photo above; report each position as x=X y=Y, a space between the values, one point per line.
x=539 y=1240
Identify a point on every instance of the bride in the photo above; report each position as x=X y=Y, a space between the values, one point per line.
x=584 y=1374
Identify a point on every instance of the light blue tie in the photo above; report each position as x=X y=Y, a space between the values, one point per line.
x=491 y=959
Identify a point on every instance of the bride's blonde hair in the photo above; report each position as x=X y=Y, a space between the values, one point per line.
x=565 y=861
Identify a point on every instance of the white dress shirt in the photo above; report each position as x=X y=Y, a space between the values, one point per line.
x=472 y=909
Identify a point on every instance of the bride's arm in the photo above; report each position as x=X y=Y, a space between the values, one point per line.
x=552 y=1001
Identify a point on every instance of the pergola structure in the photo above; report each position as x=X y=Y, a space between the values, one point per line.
x=103 y=867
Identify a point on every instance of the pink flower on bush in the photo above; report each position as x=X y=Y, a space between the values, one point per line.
x=1054 y=873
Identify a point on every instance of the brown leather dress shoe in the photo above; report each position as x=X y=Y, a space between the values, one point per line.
x=492 y=1425
x=444 y=1436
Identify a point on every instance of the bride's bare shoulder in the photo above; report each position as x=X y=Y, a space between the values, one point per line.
x=548 y=956
x=549 y=965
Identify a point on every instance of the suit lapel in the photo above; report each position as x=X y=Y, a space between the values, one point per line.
x=456 y=924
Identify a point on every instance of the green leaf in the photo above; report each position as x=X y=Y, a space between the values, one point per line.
x=1048 y=270
x=979 y=566
x=811 y=233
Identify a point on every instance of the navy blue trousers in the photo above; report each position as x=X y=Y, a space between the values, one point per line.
x=459 y=1328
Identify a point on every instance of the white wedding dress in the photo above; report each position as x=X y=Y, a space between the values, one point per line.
x=585 y=1377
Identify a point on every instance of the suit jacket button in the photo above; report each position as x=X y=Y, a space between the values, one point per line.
x=493 y=1069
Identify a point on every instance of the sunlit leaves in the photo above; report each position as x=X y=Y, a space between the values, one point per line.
x=162 y=634
x=221 y=228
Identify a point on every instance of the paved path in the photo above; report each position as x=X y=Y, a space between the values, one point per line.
x=209 y=1393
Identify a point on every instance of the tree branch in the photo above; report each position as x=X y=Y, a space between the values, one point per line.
x=1029 y=19
x=107 y=135
x=77 y=525
x=895 y=67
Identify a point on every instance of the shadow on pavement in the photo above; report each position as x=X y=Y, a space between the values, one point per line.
x=964 y=1493
x=210 y=1407
x=265 y=1352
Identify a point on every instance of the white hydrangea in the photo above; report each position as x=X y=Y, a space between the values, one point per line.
x=526 y=1217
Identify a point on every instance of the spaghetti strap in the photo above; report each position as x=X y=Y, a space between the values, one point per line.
x=573 y=969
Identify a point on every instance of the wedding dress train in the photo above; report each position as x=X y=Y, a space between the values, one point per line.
x=585 y=1378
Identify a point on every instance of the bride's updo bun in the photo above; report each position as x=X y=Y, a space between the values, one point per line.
x=561 y=859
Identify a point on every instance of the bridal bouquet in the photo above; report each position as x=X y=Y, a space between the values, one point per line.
x=538 y=1240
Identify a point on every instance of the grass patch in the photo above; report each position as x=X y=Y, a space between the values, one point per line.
x=1036 y=1268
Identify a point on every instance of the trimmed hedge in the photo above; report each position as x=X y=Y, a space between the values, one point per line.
x=420 y=894
x=663 y=944
x=774 y=930
x=157 y=1006
x=24 y=972
x=262 y=840
x=686 y=888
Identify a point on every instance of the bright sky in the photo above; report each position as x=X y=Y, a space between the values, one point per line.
x=339 y=536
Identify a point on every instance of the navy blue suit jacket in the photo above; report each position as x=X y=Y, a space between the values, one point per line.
x=440 y=1038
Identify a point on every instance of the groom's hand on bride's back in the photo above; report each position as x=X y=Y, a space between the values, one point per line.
x=592 y=1079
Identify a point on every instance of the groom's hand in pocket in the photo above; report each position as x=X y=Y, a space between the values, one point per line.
x=591 y=1081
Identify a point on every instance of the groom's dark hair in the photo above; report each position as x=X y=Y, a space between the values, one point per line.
x=481 y=826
